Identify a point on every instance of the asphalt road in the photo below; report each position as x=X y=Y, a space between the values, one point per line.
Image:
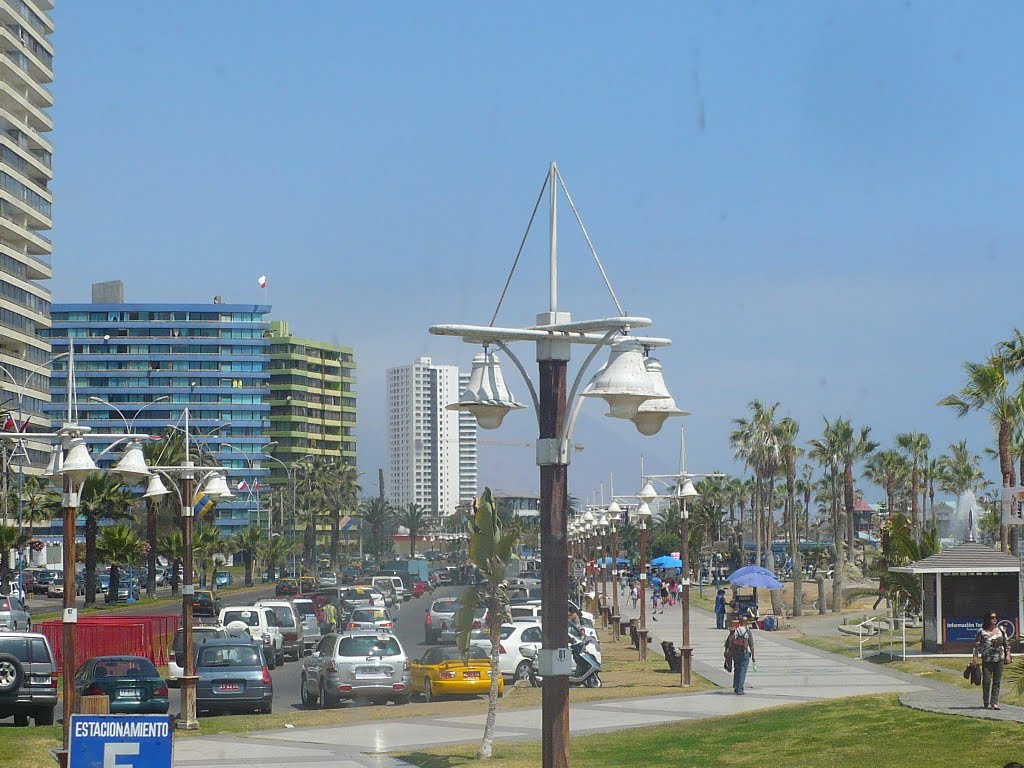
x=409 y=619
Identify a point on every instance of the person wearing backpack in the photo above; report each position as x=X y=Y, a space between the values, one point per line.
x=739 y=646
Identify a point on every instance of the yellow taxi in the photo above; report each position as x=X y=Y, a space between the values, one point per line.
x=442 y=672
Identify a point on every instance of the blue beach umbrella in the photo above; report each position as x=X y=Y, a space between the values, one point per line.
x=754 y=576
x=667 y=561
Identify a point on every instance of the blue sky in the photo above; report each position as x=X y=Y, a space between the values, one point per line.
x=819 y=202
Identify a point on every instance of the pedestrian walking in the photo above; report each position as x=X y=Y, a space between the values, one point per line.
x=720 y=609
x=739 y=648
x=635 y=593
x=654 y=602
x=330 y=617
x=673 y=592
x=992 y=647
x=664 y=596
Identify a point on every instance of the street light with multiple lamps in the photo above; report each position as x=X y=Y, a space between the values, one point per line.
x=614 y=518
x=633 y=388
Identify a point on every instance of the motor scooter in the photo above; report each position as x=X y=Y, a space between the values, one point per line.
x=586 y=672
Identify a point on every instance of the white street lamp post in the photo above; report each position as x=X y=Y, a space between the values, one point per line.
x=631 y=386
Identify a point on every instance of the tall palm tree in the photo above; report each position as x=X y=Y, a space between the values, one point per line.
x=826 y=451
x=276 y=550
x=916 y=445
x=379 y=515
x=345 y=498
x=805 y=487
x=987 y=389
x=854 y=447
x=960 y=470
x=888 y=470
x=757 y=442
x=249 y=541
x=413 y=517
x=172 y=547
x=931 y=473
x=10 y=539
x=207 y=545
x=788 y=429
x=119 y=545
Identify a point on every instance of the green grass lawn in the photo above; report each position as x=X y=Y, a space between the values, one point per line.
x=868 y=730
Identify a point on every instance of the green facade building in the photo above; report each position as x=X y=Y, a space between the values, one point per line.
x=312 y=400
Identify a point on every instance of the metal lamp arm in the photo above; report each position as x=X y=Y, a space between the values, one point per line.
x=577 y=402
x=522 y=371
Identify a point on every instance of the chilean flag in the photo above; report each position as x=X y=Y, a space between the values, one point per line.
x=242 y=486
x=10 y=424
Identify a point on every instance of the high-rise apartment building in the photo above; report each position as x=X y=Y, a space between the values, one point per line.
x=432 y=450
x=25 y=200
x=144 y=363
x=312 y=399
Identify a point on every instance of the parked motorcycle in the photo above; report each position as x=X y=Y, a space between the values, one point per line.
x=587 y=670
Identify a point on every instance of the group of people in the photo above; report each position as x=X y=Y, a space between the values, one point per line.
x=663 y=591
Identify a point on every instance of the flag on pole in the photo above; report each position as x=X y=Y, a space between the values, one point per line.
x=255 y=485
x=202 y=503
x=263 y=281
x=242 y=485
x=10 y=423
x=346 y=522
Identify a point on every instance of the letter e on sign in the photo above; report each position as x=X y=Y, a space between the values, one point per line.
x=113 y=751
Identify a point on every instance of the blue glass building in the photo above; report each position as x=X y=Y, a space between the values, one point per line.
x=213 y=358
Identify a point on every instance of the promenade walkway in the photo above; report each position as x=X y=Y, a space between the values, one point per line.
x=787 y=673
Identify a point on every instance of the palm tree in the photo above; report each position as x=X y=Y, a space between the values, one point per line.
x=491 y=546
x=276 y=550
x=414 y=517
x=888 y=470
x=931 y=473
x=916 y=444
x=249 y=541
x=788 y=429
x=119 y=545
x=171 y=546
x=10 y=539
x=346 y=489
x=757 y=441
x=805 y=487
x=379 y=516
x=208 y=543
x=986 y=389
x=960 y=470
x=826 y=450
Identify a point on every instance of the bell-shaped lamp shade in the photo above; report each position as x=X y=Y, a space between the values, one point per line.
x=78 y=464
x=688 y=492
x=588 y=517
x=217 y=488
x=614 y=513
x=155 y=487
x=647 y=493
x=643 y=513
x=132 y=466
x=651 y=415
x=55 y=464
x=486 y=395
x=624 y=382
x=602 y=522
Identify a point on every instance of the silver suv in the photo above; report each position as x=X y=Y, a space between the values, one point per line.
x=14 y=614
x=28 y=678
x=369 y=664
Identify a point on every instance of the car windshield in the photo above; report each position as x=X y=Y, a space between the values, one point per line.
x=369 y=614
x=454 y=654
x=228 y=656
x=131 y=667
x=252 y=618
x=445 y=606
x=368 y=645
x=199 y=635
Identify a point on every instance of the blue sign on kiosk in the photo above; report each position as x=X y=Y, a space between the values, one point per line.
x=120 y=741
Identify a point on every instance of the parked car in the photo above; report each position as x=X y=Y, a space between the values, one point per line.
x=307 y=613
x=104 y=582
x=261 y=624
x=222 y=579
x=56 y=587
x=443 y=672
x=43 y=579
x=205 y=602
x=200 y=634
x=132 y=684
x=480 y=621
x=369 y=618
x=28 y=678
x=437 y=618
x=286 y=587
x=327 y=579
x=368 y=664
x=233 y=676
x=291 y=626
x=124 y=590
x=14 y=614
x=511 y=662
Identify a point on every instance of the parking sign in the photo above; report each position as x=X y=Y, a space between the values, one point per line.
x=120 y=741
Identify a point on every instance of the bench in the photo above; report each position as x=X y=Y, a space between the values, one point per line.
x=673 y=656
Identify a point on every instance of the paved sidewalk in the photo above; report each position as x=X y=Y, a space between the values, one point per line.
x=787 y=673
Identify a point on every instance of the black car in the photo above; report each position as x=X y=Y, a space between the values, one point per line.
x=205 y=603
x=43 y=580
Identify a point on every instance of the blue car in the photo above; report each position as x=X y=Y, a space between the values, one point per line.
x=222 y=579
x=233 y=677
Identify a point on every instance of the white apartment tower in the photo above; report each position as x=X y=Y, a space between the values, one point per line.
x=431 y=450
x=25 y=200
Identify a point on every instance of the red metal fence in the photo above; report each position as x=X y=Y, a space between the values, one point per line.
x=148 y=636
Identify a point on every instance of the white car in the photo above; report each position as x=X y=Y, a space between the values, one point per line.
x=261 y=623
x=514 y=637
x=531 y=609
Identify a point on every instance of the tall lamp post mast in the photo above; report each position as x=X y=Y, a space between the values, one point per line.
x=634 y=389
x=613 y=520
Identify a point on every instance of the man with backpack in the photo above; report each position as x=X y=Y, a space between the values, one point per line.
x=739 y=648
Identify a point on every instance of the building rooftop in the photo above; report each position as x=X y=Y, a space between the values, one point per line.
x=969 y=557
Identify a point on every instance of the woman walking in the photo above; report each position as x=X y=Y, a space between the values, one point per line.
x=993 y=648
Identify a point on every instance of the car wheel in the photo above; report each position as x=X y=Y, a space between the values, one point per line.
x=44 y=716
x=266 y=709
x=402 y=700
x=279 y=658
x=303 y=696
x=21 y=721
x=325 y=701
x=428 y=690
x=523 y=671
x=11 y=673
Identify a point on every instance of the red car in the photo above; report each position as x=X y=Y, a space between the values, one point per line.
x=418 y=588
